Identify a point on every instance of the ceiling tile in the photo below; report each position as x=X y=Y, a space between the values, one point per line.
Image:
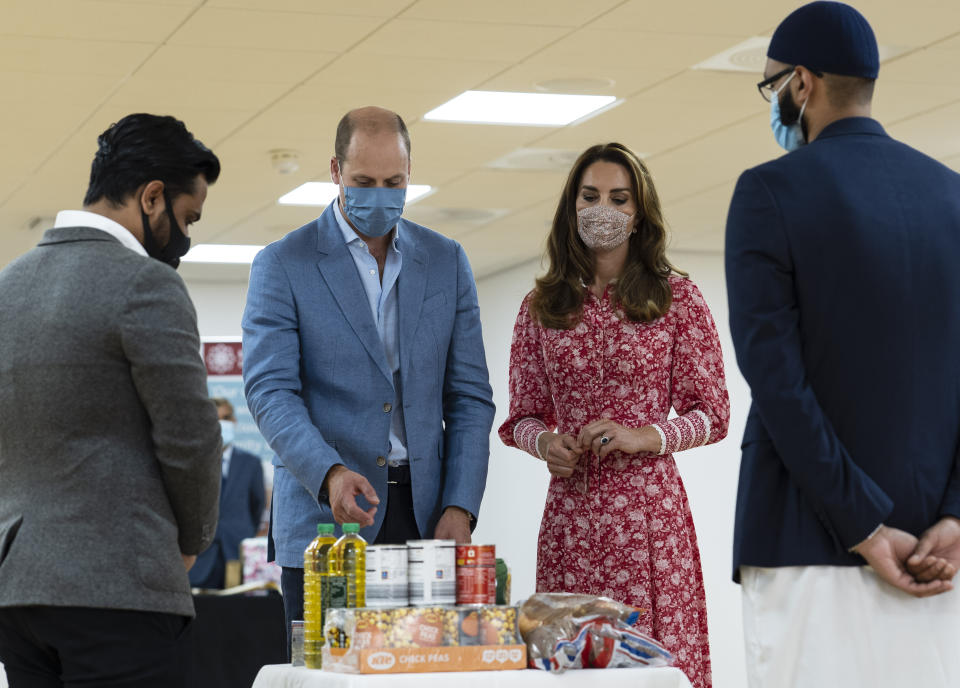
x=367 y=8
x=500 y=189
x=447 y=146
x=93 y=20
x=934 y=132
x=164 y=95
x=740 y=18
x=897 y=100
x=236 y=65
x=533 y=12
x=236 y=28
x=698 y=222
x=686 y=107
x=632 y=60
x=508 y=242
x=713 y=159
x=434 y=39
x=925 y=66
x=65 y=56
x=413 y=73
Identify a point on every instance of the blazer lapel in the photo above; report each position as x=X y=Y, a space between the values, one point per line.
x=340 y=274
x=410 y=285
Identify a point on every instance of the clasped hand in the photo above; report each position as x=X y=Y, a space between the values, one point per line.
x=921 y=567
x=562 y=452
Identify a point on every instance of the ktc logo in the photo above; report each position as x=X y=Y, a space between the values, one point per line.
x=381 y=661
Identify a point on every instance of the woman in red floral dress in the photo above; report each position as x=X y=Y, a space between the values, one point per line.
x=610 y=339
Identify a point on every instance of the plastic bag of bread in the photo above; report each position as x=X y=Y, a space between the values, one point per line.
x=568 y=631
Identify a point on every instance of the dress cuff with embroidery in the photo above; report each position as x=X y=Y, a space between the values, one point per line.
x=526 y=432
x=684 y=432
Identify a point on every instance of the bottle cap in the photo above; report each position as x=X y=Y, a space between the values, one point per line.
x=325 y=529
x=351 y=527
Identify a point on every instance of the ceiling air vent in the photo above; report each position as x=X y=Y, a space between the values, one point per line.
x=537 y=159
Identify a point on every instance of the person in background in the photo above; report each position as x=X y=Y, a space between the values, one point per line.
x=109 y=446
x=608 y=341
x=843 y=289
x=242 y=500
x=364 y=365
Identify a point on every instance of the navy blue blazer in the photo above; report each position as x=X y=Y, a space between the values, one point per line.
x=844 y=295
x=317 y=381
x=241 y=507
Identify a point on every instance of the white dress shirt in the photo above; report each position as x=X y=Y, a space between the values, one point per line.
x=83 y=218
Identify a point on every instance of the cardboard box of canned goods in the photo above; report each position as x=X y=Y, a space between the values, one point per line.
x=423 y=639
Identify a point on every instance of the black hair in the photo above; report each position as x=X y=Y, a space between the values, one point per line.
x=141 y=148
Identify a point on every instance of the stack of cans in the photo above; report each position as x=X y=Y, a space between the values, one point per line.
x=421 y=573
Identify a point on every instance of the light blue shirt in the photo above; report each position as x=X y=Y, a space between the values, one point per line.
x=382 y=297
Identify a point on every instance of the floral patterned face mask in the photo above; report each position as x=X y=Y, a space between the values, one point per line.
x=603 y=228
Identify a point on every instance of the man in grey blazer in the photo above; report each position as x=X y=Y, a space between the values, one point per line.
x=364 y=364
x=109 y=446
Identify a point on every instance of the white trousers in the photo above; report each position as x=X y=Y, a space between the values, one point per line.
x=841 y=626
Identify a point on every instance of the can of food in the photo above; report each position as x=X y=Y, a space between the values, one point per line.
x=431 y=572
x=386 y=576
x=476 y=574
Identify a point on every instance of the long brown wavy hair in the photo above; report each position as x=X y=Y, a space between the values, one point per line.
x=642 y=289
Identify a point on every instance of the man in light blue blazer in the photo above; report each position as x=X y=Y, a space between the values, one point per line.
x=364 y=364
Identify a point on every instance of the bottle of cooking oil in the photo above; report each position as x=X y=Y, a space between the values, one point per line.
x=316 y=595
x=349 y=567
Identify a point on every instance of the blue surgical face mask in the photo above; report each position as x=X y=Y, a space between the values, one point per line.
x=789 y=136
x=227 y=429
x=374 y=211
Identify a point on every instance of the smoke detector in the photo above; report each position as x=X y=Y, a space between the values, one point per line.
x=285 y=160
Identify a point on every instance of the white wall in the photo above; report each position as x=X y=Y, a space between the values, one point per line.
x=517 y=483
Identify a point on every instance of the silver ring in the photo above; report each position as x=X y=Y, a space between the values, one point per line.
x=604 y=439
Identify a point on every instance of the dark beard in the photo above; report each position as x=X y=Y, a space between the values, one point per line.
x=789 y=112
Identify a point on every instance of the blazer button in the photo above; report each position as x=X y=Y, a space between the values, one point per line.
x=381 y=461
x=388 y=407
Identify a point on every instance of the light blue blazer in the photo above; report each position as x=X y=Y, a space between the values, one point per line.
x=317 y=381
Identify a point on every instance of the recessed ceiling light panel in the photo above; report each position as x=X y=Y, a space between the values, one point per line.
x=323 y=193
x=525 y=109
x=222 y=253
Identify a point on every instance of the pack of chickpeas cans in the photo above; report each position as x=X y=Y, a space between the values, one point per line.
x=419 y=639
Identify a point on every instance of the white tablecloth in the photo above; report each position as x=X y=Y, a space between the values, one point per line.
x=286 y=676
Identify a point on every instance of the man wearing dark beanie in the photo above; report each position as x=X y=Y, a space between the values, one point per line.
x=843 y=291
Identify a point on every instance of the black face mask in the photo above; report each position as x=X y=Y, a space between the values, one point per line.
x=176 y=247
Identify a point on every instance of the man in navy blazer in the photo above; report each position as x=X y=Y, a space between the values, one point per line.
x=364 y=364
x=241 y=504
x=841 y=262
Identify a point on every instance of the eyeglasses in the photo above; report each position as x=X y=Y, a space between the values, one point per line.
x=766 y=88
x=767 y=91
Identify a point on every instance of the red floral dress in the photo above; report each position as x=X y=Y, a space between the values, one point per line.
x=621 y=526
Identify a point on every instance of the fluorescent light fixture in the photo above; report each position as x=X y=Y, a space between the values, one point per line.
x=222 y=253
x=323 y=193
x=530 y=109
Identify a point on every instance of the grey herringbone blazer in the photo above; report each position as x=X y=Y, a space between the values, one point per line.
x=109 y=446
